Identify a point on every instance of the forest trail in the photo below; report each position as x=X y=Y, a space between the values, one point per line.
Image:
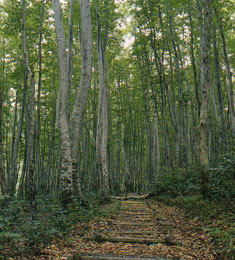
x=141 y=230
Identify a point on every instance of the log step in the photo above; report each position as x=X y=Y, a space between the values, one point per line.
x=135 y=208
x=130 y=214
x=133 y=224
x=102 y=238
x=113 y=257
x=133 y=204
x=137 y=216
x=139 y=233
x=139 y=220
x=131 y=232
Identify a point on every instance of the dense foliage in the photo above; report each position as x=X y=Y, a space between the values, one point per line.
x=20 y=235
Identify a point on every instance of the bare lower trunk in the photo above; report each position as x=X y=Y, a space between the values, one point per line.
x=82 y=93
x=205 y=88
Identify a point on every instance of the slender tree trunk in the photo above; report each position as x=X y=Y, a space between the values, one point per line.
x=156 y=144
x=194 y=68
x=38 y=164
x=217 y=78
x=3 y=179
x=102 y=126
x=70 y=49
x=13 y=171
x=82 y=92
x=229 y=74
x=2 y=172
x=30 y=191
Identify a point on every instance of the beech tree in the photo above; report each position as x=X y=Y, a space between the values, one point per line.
x=63 y=119
x=205 y=82
x=82 y=92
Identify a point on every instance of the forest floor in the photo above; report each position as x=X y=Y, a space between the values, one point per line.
x=144 y=229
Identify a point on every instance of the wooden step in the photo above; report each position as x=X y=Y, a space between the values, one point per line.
x=143 y=233
x=137 y=219
x=102 y=238
x=138 y=216
x=114 y=257
x=133 y=211
x=135 y=208
x=132 y=203
x=133 y=224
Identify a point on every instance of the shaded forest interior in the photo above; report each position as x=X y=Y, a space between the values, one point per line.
x=105 y=97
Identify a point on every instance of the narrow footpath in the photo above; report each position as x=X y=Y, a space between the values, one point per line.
x=141 y=230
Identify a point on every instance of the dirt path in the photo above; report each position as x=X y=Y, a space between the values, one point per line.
x=142 y=230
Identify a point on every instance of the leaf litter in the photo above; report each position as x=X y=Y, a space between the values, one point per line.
x=167 y=223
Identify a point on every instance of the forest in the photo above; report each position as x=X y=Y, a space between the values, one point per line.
x=117 y=129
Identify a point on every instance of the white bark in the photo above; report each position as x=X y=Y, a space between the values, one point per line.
x=85 y=82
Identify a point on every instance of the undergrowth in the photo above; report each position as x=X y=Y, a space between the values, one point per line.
x=217 y=218
x=21 y=234
x=181 y=188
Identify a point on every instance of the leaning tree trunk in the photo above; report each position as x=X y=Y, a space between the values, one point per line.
x=204 y=6
x=63 y=121
x=82 y=93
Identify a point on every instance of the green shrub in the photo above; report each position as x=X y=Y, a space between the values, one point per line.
x=188 y=181
x=222 y=178
x=177 y=182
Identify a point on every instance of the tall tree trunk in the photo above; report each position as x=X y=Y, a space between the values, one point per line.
x=63 y=121
x=156 y=144
x=30 y=191
x=12 y=175
x=194 y=68
x=82 y=93
x=38 y=161
x=102 y=126
x=229 y=74
x=217 y=78
x=70 y=49
x=204 y=9
x=2 y=172
x=3 y=179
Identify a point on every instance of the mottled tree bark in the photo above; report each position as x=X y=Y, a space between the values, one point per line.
x=205 y=82
x=63 y=121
